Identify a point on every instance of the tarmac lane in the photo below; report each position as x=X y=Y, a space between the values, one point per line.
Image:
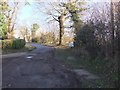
x=36 y=69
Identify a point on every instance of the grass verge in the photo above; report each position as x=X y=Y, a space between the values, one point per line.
x=8 y=51
x=108 y=77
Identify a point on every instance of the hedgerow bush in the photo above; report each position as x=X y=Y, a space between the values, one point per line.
x=6 y=44
x=13 y=44
x=18 y=43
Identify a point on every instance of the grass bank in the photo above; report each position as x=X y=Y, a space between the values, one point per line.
x=108 y=78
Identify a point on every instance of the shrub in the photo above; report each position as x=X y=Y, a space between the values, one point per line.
x=18 y=43
x=13 y=44
x=6 y=44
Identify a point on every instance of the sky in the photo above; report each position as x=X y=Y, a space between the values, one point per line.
x=30 y=14
x=27 y=15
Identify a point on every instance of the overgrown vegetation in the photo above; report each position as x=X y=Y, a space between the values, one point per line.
x=98 y=42
x=108 y=78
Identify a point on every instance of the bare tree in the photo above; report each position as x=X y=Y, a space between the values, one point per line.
x=11 y=17
x=58 y=13
x=61 y=11
x=25 y=33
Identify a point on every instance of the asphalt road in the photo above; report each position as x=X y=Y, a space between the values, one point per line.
x=36 y=69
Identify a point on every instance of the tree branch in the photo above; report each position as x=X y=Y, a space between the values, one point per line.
x=55 y=8
x=55 y=18
x=14 y=10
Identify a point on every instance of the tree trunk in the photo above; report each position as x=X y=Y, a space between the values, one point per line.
x=61 y=25
x=112 y=28
x=118 y=31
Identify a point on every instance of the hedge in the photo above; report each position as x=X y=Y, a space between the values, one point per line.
x=13 y=44
x=6 y=44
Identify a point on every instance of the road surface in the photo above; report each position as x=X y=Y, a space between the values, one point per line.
x=36 y=69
